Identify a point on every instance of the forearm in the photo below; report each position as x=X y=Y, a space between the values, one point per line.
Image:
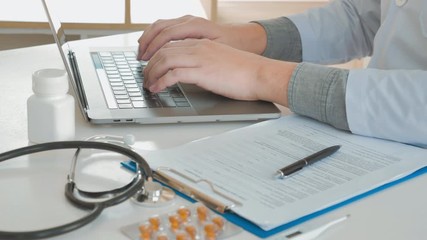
x=283 y=40
x=319 y=92
x=307 y=89
x=250 y=37
x=273 y=80
x=275 y=38
x=311 y=90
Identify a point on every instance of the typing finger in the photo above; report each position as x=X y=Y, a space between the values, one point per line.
x=153 y=30
x=179 y=47
x=168 y=65
x=177 y=75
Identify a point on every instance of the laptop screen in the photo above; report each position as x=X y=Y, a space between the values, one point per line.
x=67 y=55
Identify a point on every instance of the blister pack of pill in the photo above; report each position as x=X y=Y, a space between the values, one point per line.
x=189 y=222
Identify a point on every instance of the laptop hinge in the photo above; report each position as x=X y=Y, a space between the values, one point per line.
x=77 y=78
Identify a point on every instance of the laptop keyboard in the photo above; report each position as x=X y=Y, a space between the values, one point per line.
x=122 y=81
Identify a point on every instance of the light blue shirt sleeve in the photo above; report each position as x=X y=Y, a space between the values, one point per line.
x=389 y=104
x=314 y=91
x=388 y=99
x=283 y=39
x=341 y=31
x=319 y=92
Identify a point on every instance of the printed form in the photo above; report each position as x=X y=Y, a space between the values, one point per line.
x=242 y=164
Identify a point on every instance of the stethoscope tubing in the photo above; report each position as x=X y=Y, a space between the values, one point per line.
x=42 y=147
x=95 y=207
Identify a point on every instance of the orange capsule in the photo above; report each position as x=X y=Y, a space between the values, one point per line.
x=191 y=231
x=162 y=236
x=184 y=213
x=145 y=232
x=144 y=236
x=174 y=222
x=181 y=236
x=154 y=223
x=210 y=231
x=218 y=221
x=202 y=213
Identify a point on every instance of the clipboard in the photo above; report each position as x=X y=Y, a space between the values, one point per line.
x=255 y=229
x=240 y=164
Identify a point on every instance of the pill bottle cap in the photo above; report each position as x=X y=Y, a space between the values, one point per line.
x=50 y=82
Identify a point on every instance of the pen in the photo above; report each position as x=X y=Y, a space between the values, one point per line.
x=300 y=164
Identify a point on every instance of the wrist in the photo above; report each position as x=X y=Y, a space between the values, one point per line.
x=273 y=79
x=249 y=37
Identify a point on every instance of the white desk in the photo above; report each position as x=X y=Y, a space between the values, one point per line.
x=32 y=189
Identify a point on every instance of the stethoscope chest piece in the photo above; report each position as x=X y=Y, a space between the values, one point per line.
x=153 y=194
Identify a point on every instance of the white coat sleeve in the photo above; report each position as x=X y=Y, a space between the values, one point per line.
x=389 y=104
x=338 y=32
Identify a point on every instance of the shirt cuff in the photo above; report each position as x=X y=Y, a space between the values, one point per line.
x=319 y=92
x=283 y=39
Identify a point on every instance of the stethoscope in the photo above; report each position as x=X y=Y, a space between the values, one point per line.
x=142 y=189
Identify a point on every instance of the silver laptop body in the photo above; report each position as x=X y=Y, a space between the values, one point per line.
x=103 y=99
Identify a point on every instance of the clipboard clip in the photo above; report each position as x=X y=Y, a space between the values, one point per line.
x=161 y=175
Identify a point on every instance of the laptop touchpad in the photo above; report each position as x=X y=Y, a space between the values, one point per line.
x=205 y=102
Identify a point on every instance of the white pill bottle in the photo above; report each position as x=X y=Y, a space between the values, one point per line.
x=50 y=110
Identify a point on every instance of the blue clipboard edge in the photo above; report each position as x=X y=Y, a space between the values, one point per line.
x=254 y=229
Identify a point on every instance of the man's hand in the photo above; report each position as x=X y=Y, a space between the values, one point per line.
x=219 y=68
x=249 y=37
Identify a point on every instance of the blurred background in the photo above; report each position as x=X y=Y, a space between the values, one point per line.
x=23 y=22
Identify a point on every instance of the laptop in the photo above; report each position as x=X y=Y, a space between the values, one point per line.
x=108 y=85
